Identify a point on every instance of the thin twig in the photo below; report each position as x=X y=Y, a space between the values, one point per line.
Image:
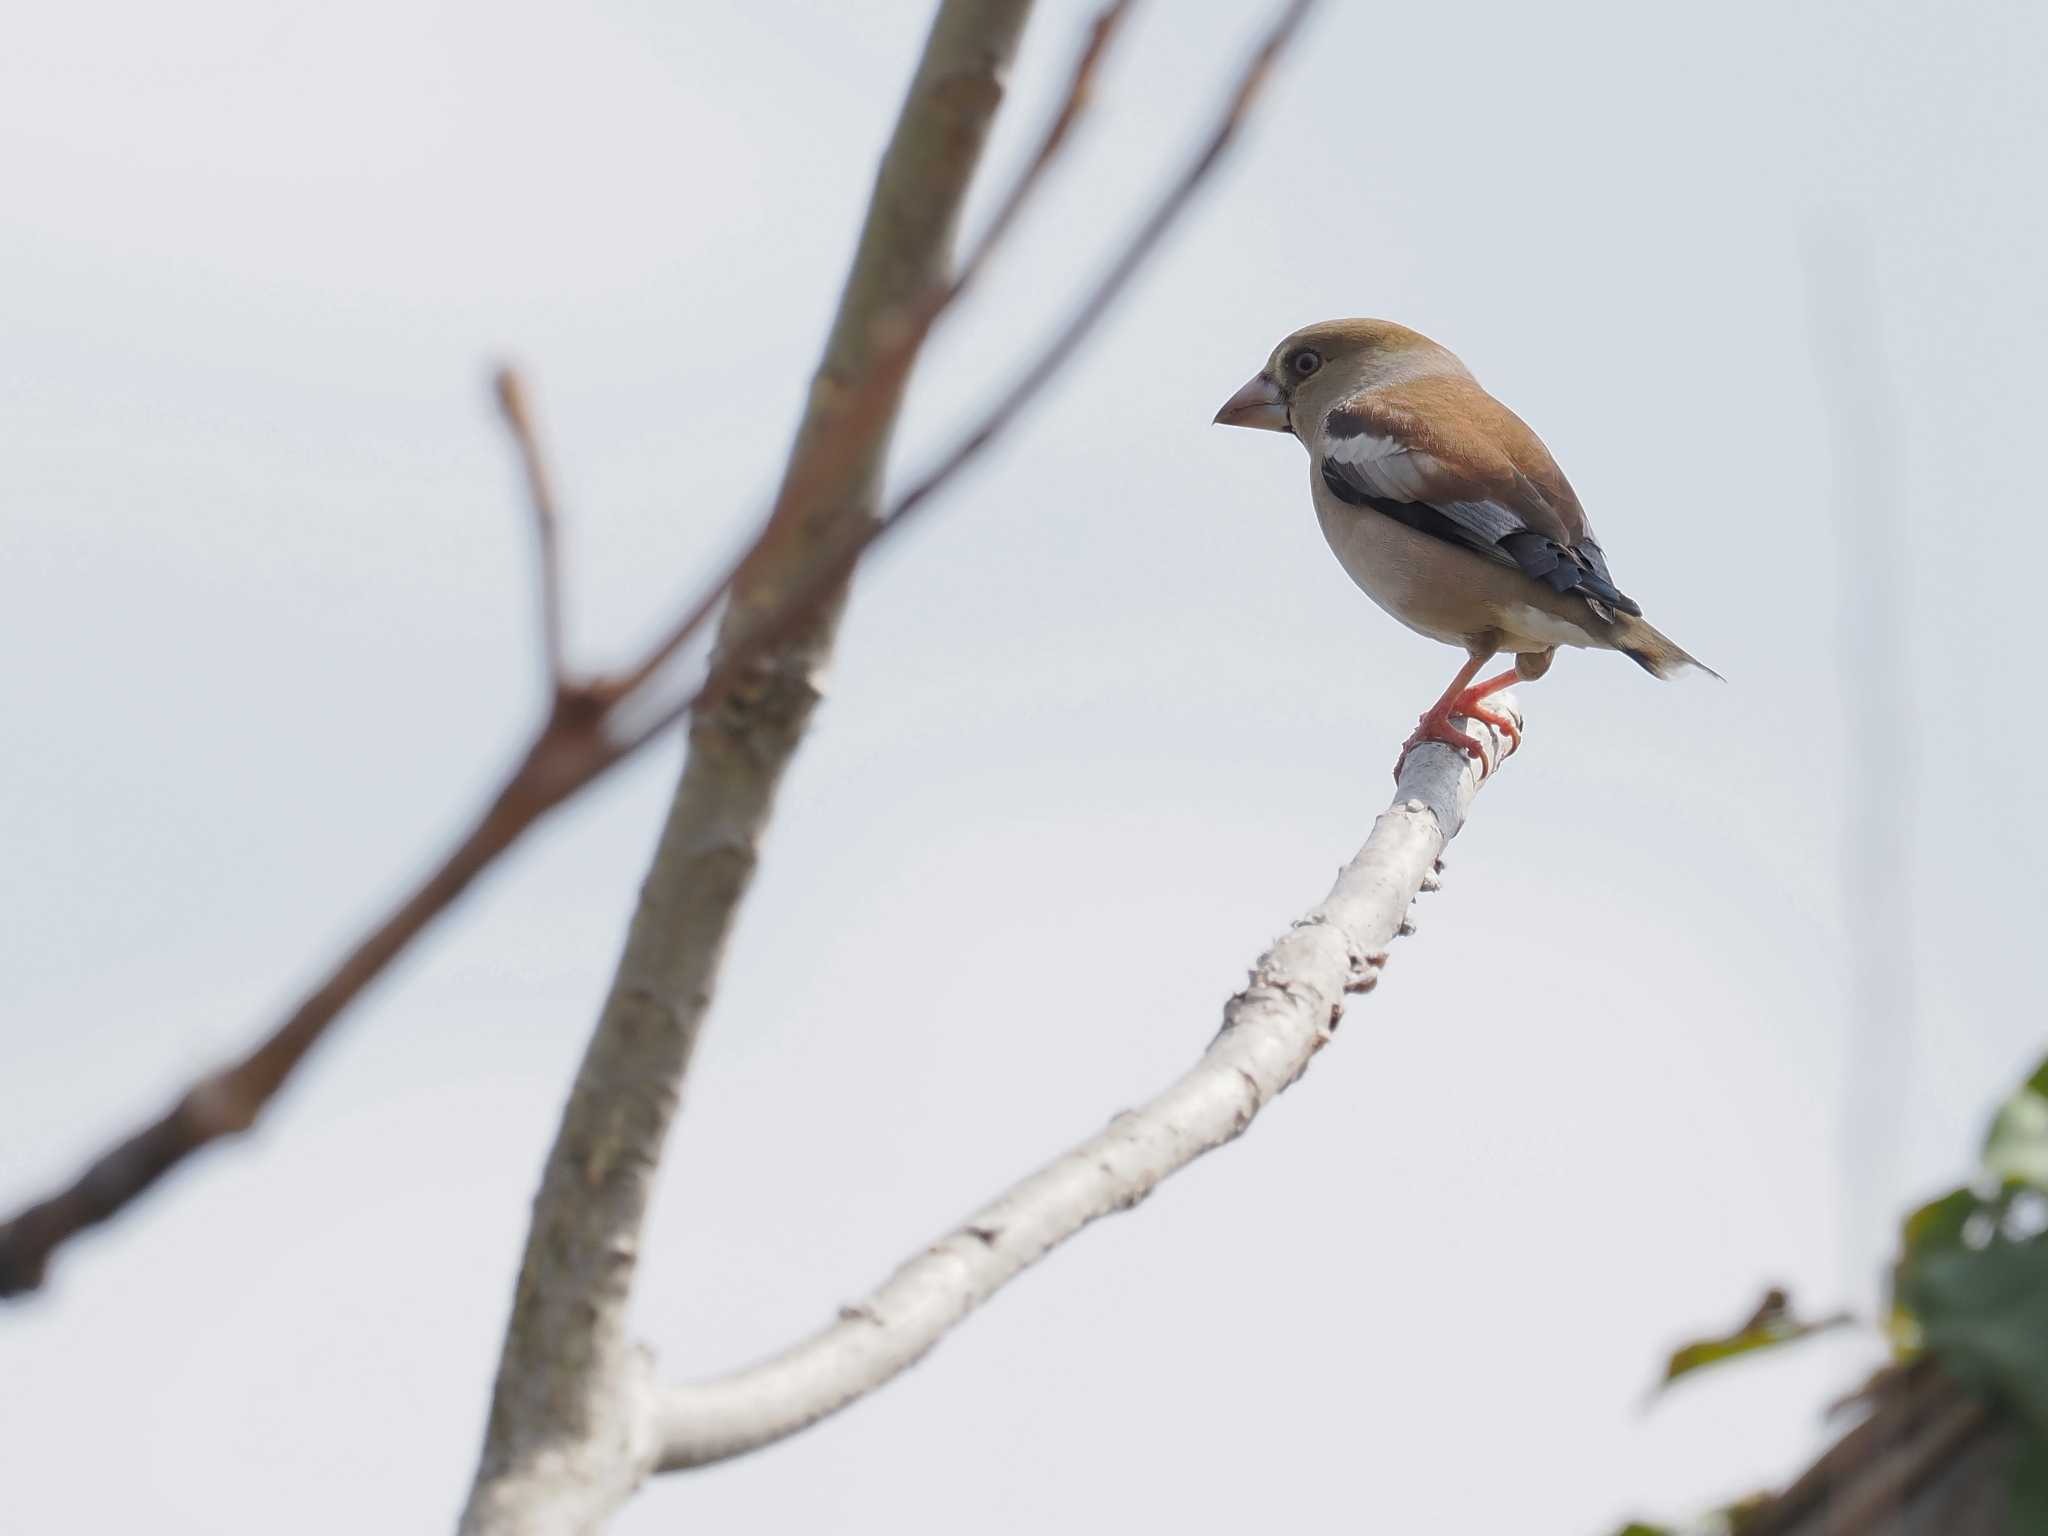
x=518 y=414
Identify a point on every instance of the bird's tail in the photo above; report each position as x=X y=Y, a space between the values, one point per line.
x=1653 y=651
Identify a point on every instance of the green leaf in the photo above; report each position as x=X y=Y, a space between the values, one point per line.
x=2016 y=1147
x=2029 y=1508
x=1939 y=1224
x=1983 y=1312
x=1738 y=1515
x=1971 y=1286
x=1638 y=1528
x=2039 y=1081
x=1936 y=1227
x=1771 y=1325
x=1902 y=1332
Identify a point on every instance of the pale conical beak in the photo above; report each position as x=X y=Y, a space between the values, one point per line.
x=1258 y=404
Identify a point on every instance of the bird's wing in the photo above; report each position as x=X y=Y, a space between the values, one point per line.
x=1449 y=460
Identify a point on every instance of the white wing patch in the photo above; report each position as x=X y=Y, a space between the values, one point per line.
x=1385 y=466
x=1363 y=448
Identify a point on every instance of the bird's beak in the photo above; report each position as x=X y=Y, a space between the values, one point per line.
x=1258 y=404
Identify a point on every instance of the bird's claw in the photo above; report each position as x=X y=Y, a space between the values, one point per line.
x=1472 y=704
x=1436 y=726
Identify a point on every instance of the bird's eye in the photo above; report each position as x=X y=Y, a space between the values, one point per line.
x=1305 y=363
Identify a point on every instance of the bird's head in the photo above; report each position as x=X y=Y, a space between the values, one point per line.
x=1320 y=365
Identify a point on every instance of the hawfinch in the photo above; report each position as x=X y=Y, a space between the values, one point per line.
x=1441 y=503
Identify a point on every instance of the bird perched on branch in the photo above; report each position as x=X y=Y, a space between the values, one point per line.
x=1441 y=503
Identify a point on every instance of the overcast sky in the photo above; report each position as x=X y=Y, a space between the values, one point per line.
x=1095 y=734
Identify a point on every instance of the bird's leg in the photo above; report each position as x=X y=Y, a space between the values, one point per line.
x=1472 y=704
x=1435 y=724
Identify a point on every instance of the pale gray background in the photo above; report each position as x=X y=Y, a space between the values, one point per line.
x=1095 y=734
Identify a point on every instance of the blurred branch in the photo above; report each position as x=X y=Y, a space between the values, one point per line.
x=1271 y=1031
x=518 y=414
x=1873 y=540
x=1930 y=1458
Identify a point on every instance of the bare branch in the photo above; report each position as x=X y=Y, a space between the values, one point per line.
x=518 y=414
x=1271 y=1031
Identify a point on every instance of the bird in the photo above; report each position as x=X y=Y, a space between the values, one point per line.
x=1448 y=511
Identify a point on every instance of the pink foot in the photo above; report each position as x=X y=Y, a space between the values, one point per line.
x=1437 y=726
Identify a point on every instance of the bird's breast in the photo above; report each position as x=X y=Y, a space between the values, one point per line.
x=1437 y=589
x=1397 y=568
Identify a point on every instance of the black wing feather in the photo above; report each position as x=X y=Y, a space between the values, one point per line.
x=1487 y=528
